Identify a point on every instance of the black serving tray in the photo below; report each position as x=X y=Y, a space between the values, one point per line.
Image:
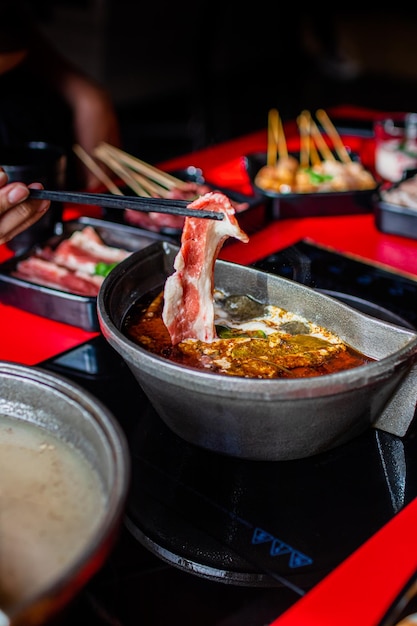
x=393 y=218
x=396 y=220
x=287 y=205
x=60 y=305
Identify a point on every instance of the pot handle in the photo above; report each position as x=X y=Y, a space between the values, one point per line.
x=399 y=412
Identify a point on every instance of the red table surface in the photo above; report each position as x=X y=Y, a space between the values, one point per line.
x=362 y=587
x=30 y=339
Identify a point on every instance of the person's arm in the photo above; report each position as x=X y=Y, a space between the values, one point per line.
x=17 y=211
x=94 y=115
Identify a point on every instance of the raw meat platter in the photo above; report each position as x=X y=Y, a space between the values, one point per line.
x=60 y=278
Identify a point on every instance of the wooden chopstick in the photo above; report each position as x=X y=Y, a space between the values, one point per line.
x=139 y=166
x=96 y=170
x=334 y=135
x=153 y=188
x=123 y=172
x=137 y=203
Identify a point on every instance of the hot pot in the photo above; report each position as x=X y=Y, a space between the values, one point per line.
x=49 y=407
x=268 y=420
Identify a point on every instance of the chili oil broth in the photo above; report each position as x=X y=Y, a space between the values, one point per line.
x=144 y=326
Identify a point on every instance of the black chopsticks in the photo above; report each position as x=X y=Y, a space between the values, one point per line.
x=137 y=203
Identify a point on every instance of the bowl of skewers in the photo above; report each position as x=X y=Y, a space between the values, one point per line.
x=323 y=178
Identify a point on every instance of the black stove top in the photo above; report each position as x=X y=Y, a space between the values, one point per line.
x=371 y=286
x=217 y=541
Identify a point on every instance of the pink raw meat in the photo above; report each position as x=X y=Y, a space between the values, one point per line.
x=71 y=266
x=188 y=296
x=160 y=221
x=83 y=250
x=49 y=274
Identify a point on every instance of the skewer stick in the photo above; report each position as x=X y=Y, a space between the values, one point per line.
x=122 y=172
x=272 y=154
x=322 y=146
x=155 y=189
x=282 y=144
x=96 y=170
x=314 y=155
x=304 y=142
x=141 y=167
x=334 y=135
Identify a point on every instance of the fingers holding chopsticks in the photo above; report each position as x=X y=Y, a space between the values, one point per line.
x=17 y=210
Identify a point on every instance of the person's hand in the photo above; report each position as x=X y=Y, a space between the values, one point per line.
x=17 y=211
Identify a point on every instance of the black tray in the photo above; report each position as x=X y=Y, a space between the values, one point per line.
x=60 y=305
x=393 y=218
x=287 y=205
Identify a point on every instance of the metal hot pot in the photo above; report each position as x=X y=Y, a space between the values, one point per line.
x=266 y=419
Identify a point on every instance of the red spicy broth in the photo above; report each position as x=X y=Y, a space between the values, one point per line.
x=295 y=356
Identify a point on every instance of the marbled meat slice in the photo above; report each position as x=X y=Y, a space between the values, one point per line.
x=160 y=221
x=72 y=265
x=188 y=311
x=52 y=275
x=83 y=250
x=153 y=221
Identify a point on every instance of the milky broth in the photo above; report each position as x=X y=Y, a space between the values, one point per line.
x=51 y=502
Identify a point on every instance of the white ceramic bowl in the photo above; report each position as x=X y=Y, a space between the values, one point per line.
x=56 y=428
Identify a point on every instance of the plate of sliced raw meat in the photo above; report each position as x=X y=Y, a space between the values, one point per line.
x=61 y=277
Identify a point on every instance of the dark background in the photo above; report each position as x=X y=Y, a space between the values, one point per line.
x=184 y=75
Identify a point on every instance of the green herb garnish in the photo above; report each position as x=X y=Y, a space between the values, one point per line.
x=103 y=269
x=317 y=178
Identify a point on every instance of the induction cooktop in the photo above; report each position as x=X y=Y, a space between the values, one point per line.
x=244 y=533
